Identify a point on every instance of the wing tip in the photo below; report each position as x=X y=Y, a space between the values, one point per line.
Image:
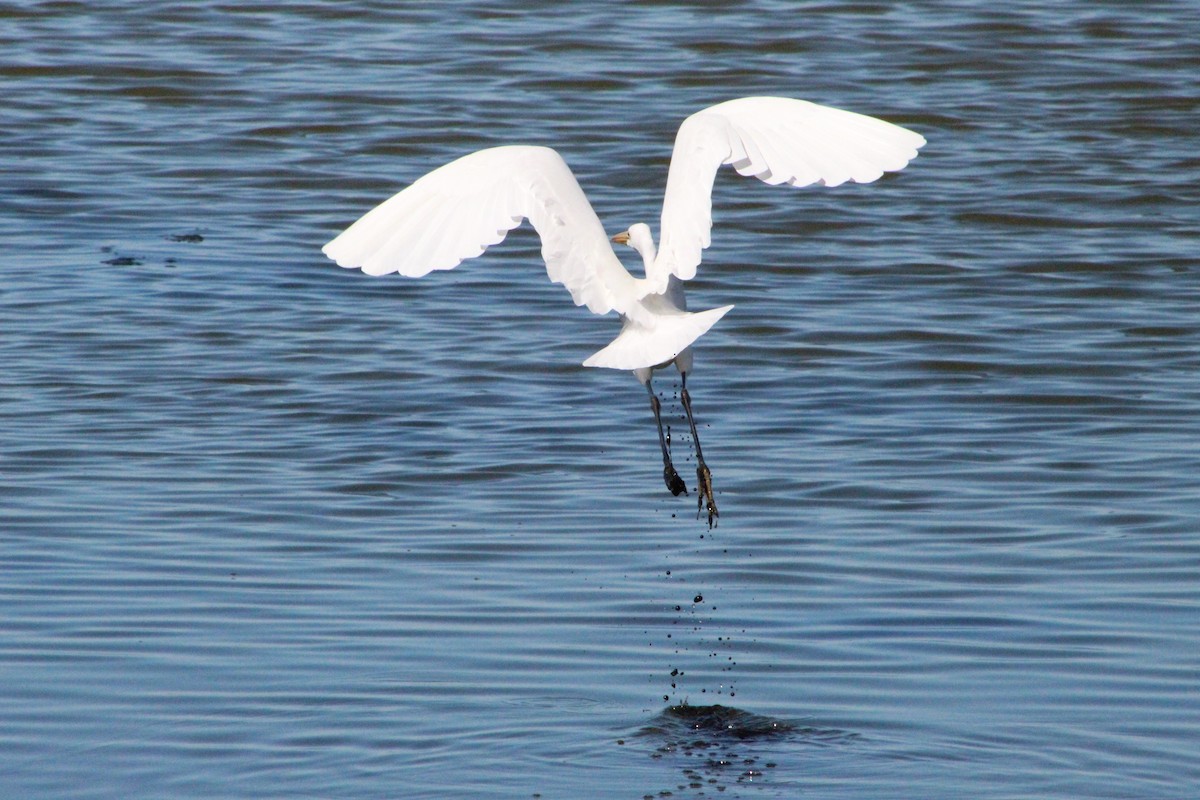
x=334 y=253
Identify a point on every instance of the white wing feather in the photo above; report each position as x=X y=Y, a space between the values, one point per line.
x=777 y=140
x=459 y=210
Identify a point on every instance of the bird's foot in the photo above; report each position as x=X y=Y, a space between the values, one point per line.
x=673 y=481
x=704 y=494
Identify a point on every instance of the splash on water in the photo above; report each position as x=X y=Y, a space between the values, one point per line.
x=716 y=720
x=720 y=747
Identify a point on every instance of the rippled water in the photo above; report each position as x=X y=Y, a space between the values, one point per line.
x=269 y=528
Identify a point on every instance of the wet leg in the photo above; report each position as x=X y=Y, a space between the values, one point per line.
x=670 y=476
x=704 y=492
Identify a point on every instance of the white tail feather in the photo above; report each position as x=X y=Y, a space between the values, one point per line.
x=641 y=347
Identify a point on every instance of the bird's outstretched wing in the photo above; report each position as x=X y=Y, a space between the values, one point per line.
x=459 y=210
x=777 y=140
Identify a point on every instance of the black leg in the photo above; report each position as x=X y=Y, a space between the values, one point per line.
x=670 y=476
x=704 y=493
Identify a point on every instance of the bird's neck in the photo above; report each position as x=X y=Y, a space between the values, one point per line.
x=648 y=252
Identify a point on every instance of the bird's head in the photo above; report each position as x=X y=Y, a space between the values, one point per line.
x=639 y=238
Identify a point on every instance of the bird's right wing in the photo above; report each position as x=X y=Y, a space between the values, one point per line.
x=459 y=210
x=777 y=140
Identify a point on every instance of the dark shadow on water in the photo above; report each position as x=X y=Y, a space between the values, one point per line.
x=723 y=722
x=724 y=751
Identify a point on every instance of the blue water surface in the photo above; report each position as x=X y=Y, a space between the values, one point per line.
x=274 y=529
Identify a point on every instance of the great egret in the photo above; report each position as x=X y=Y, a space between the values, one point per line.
x=459 y=210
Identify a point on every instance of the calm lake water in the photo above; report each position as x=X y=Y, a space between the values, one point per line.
x=273 y=529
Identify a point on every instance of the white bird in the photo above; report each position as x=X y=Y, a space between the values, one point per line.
x=459 y=210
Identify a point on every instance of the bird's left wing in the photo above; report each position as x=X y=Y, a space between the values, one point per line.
x=459 y=210
x=777 y=140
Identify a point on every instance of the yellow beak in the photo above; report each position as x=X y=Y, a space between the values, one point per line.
x=621 y=238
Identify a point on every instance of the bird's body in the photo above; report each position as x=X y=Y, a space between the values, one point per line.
x=459 y=210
